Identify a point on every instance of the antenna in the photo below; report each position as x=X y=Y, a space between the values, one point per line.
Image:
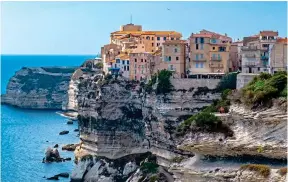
x=131 y=19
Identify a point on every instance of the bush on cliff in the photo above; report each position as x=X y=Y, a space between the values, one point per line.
x=263 y=170
x=203 y=121
x=265 y=87
x=164 y=84
x=229 y=81
x=99 y=65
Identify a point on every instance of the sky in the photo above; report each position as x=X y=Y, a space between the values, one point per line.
x=83 y=27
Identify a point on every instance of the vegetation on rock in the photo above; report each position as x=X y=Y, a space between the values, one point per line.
x=164 y=84
x=264 y=87
x=99 y=65
x=263 y=170
x=177 y=159
x=203 y=121
x=149 y=167
x=86 y=157
x=229 y=81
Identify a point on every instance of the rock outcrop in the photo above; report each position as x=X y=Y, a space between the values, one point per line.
x=39 y=88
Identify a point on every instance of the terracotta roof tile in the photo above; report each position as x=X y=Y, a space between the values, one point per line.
x=282 y=40
x=268 y=33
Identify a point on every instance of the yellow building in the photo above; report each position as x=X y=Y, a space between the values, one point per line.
x=142 y=41
x=209 y=54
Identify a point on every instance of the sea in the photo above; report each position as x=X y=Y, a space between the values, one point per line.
x=25 y=134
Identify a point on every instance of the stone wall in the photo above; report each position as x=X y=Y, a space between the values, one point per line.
x=187 y=83
x=243 y=79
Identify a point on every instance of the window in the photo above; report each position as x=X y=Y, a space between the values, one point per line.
x=213 y=41
x=196 y=40
x=118 y=52
x=142 y=67
x=158 y=38
x=222 y=49
x=115 y=66
x=197 y=65
x=147 y=38
x=135 y=78
x=201 y=56
x=213 y=48
x=197 y=57
x=123 y=62
x=135 y=60
x=197 y=47
x=145 y=60
x=124 y=68
x=201 y=65
x=169 y=58
x=172 y=38
x=142 y=60
x=177 y=58
x=152 y=38
x=117 y=60
x=258 y=68
x=127 y=68
x=158 y=44
x=152 y=44
x=265 y=45
x=171 y=67
x=201 y=40
x=201 y=46
x=127 y=62
x=175 y=50
x=214 y=55
x=152 y=50
x=164 y=38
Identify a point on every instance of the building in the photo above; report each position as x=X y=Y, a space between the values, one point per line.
x=174 y=57
x=255 y=51
x=121 y=65
x=131 y=35
x=235 y=56
x=108 y=54
x=209 y=54
x=140 y=66
x=278 y=56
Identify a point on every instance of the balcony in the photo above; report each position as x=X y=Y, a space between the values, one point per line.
x=251 y=64
x=216 y=58
x=249 y=56
x=265 y=57
x=199 y=60
x=252 y=48
x=215 y=65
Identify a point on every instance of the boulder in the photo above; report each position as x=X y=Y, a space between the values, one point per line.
x=64 y=175
x=70 y=147
x=76 y=130
x=63 y=132
x=53 y=178
x=56 y=146
x=52 y=155
x=70 y=122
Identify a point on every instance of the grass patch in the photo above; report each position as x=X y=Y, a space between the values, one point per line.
x=177 y=159
x=86 y=157
x=263 y=170
x=264 y=87
x=282 y=171
x=149 y=167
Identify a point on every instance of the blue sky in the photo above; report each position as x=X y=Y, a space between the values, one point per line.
x=83 y=27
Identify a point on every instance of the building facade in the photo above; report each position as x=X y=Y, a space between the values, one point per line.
x=209 y=54
x=278 y=56
x=255 y=52
x=140 y=66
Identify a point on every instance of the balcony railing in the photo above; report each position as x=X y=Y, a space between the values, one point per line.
x=215 y=65
x=251 y=64
x=249 y=55
x=264 y=57
x=199 y=59
x=216 y=58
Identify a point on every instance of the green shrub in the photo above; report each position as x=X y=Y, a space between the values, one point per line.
x=177 y=159
x=149 y=167
x=264 y=170
x=225 y=93
x=229 y=81
x=99 y=65
x=86 y=157
x=164 y=84
x=265 y=87
x=154 y=178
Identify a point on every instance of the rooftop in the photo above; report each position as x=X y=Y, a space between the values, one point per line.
x=175 y=42
x=282 y=40
x=135 y=33
x=268 y=33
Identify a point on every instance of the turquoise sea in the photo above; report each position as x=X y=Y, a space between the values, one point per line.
x=24 y=133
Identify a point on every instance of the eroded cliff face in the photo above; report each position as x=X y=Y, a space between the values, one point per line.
x=117 y=118
x=38 y=88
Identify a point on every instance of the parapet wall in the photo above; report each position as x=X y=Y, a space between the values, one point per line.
x=187 y=83
x=243 y=79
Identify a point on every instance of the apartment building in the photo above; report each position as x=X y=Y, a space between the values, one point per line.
x=142 y=41
x=278 y=56
x=209 y=54
x=140 y=66
x=174 y=57
x=255 y=51
x=121 y=65
x=108 y=54
x=235 y=56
